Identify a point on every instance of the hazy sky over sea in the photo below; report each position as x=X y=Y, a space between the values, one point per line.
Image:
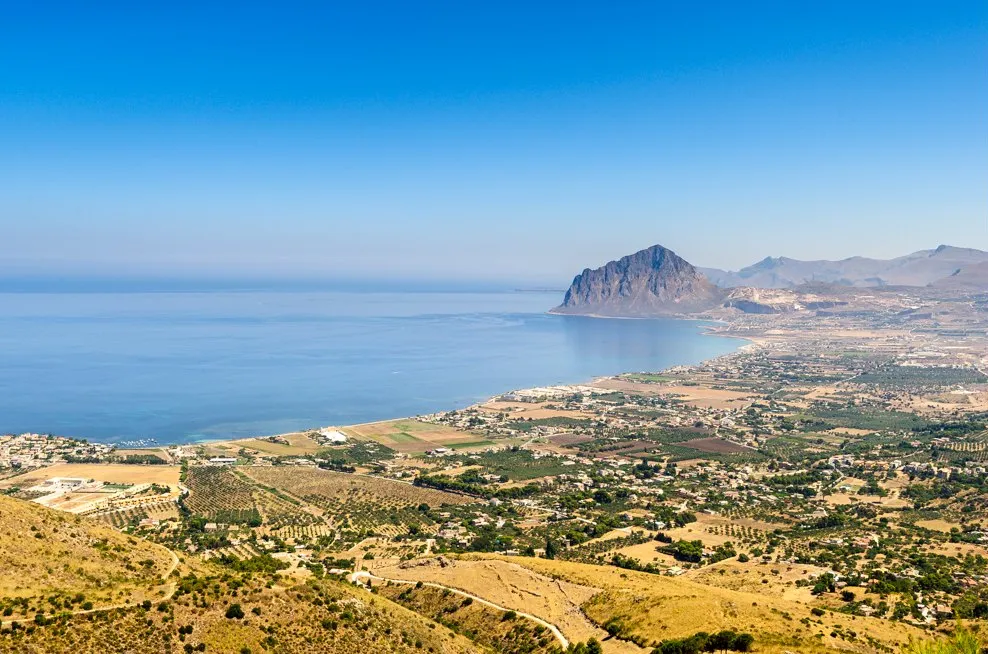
x=500 y=140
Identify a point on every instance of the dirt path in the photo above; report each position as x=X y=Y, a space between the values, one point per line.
x=363 y=575
x=171 y=587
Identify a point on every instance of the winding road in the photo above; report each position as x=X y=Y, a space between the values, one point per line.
x=362 y=575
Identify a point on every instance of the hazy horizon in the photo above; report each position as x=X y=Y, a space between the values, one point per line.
x=507 y=142
x=234 y=280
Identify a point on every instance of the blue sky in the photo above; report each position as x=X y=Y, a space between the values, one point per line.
x=517 y=141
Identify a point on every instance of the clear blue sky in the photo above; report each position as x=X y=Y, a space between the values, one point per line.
x=497 y=140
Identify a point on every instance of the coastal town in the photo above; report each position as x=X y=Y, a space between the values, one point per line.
x=841 y=468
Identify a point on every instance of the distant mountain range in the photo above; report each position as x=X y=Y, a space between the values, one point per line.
x=656 y=281
x=921 y=268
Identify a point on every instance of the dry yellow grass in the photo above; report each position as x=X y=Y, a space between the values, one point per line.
x=777 y=580
x=938 y=525
x=512 y=586
x=45 y=552
x=311 y=618
x=297 y=444
x=114 y=473
x=657 y=607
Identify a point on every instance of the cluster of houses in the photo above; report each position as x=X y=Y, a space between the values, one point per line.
x=38 y=450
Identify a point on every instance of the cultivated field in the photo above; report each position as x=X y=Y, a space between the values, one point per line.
x=714 y=446
x=533 y=410
x=113 y=473
x=356 y=503
x=296 y=444
x=414 y=437
x=219 y=494
x=713 y=398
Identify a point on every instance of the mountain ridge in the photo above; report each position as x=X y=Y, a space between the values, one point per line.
x=920 y=268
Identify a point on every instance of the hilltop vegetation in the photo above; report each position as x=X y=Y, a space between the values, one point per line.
x=237 y=613
x=52 y=561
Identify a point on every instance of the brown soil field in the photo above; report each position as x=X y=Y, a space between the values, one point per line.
x=851 y=431
x=962 y=549
x=646 y=553
x=413 y=436
x=703 y=396
x=713 y=445
x=299 y=444
x=531 y=410
x=114 y=473
x=153 y=451
x=689 y=463
x=568 y=439
x=839 y=499
x=457 y=471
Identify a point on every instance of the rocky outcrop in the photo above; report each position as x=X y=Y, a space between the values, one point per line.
x=652 y=282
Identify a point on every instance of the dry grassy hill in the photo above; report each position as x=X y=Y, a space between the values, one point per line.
x=651 y=608
x=53 y=560
x=70 y=586
x=314 y=617
x=644 y=609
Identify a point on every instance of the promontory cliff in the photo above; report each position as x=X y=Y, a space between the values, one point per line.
x=652 y=282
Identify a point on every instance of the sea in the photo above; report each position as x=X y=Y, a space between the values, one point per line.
x=162 y=366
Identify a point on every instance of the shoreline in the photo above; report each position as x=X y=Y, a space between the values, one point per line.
x=704 y=330
x=705 y=327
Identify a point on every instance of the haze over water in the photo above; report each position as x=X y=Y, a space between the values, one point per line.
x=189 y=366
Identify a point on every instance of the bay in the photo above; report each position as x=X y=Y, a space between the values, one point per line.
x=191 y=366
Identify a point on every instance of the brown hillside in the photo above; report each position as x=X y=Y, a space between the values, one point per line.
x=46 y=553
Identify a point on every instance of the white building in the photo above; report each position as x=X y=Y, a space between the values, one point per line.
x=333 y=436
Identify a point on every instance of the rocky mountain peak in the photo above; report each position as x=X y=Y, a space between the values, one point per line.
x=653 y=281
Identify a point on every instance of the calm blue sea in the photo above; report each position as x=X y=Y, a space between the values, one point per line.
x=187 y=366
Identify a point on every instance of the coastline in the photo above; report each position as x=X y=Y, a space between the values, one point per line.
x=703 y=327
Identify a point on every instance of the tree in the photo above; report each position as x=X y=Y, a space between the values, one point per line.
x=594 y=647
x=721 y=641
x=825 y=583
x=234 y=612
x=743 y=643
x=551 y=549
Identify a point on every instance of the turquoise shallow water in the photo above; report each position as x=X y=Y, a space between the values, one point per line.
x=189 y=366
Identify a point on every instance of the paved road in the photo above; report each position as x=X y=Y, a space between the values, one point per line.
x=356 y=577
